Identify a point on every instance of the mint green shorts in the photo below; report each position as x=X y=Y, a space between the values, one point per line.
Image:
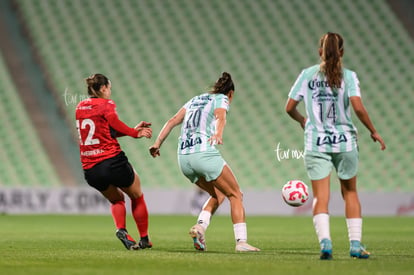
x=208 y=164
x=319 y=165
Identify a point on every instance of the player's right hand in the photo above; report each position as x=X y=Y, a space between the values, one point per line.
x=154 y=151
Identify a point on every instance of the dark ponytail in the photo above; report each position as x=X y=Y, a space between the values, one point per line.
x=223 y=85
x=94 y=83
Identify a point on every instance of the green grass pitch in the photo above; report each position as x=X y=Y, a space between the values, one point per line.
x=66 y=244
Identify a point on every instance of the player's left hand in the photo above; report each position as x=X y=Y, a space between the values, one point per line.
x=215 y=140
x=376 y=137
x=143 y=124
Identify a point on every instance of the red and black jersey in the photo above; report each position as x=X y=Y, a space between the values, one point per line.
x=98 y=126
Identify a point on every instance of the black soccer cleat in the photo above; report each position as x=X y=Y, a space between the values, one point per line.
x=126 y=239
x=145 y=243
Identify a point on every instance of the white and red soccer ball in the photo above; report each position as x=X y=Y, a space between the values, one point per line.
x=295 y=193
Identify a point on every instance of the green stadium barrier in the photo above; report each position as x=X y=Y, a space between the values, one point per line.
x=160 y=53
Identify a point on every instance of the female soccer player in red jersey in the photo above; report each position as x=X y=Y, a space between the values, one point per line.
x=106 y=167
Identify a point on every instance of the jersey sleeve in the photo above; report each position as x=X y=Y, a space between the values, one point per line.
x=297 y=91
x=115 y=123
x=187 y=104
x=352 y=83
x=221 y=101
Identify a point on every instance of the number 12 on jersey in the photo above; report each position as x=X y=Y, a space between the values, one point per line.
x=87 y=123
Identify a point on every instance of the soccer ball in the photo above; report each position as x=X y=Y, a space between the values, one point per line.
x=295 y=193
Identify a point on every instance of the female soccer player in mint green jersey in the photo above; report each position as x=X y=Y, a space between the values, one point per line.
x=328 y=91
x=202 y=121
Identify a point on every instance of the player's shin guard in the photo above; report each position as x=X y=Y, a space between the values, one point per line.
x=119 y=214
x=140 y=214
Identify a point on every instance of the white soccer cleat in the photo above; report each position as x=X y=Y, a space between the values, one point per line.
x=245 y=247
x=197 y=234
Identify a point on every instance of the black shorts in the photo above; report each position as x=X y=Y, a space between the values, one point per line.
x=115 y=171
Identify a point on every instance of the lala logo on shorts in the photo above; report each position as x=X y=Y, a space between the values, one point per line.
x=190 y=142
x=334 y=139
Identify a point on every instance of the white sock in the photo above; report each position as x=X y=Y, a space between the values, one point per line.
x=240 y=232
x=204 y=219
x=354 y=229
x=321 y=224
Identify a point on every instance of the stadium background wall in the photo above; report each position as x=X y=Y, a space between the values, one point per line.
x=160 y=53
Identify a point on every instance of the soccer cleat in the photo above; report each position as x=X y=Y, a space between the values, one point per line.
x=245 y=247
x=126 y=239
x=197 y=233
x=358 y=251
x=145 y=243
x=326 y=249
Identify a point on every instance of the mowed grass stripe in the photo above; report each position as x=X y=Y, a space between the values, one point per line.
x=66 y=244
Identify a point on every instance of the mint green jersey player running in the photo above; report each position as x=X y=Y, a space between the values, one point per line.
x=329 y=127
x=202 y=120
x=199 y=123
x=328 y=91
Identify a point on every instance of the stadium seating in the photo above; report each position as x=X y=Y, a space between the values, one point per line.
x=160 y=53
x=24 y=161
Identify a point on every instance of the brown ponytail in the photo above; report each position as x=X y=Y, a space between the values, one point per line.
x=331 y=50
x=223 y=85
x=94 y=83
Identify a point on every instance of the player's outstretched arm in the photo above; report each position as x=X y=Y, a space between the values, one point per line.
x=122 y=129
x=177 y=119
